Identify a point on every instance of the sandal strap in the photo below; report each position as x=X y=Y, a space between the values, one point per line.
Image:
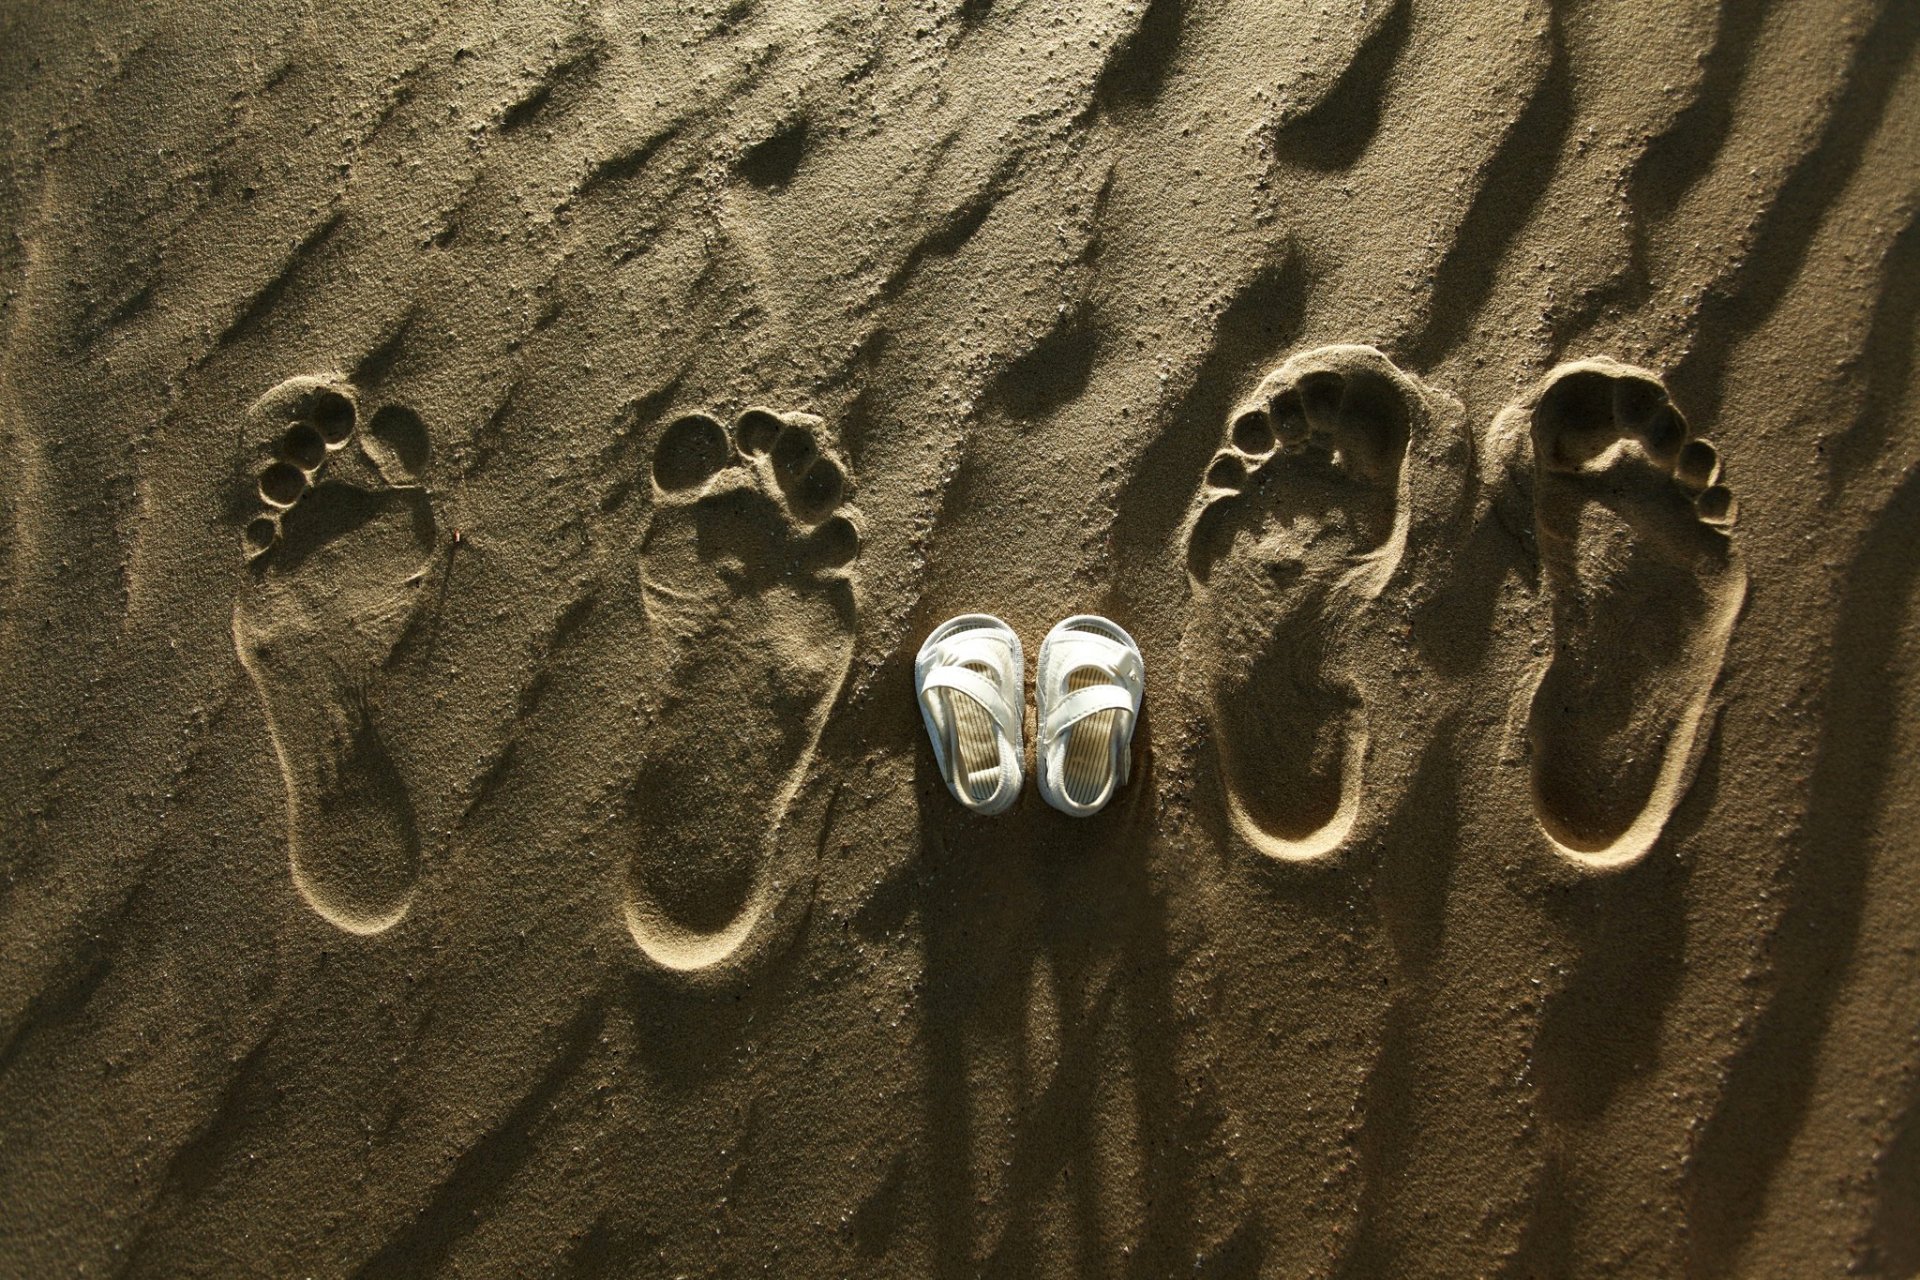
x=975 y=686
x=977 y=645
x=1081 y=703
x=1090 y=649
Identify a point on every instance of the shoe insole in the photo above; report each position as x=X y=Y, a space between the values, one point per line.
x=976 y=752
x=1089 y=759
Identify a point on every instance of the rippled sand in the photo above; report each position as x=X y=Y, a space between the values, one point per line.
x=477 y=477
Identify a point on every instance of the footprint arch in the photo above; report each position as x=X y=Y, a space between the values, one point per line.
x=1635 y=528
x=338 y=542
x=1330 y=473
x=747 y=579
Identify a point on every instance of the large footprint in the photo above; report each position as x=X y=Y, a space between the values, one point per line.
x=746 y=574
x=1645 y=583
x=338 y=552
x=1303 y=523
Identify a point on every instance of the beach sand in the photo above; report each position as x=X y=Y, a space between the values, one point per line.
x=477 y=478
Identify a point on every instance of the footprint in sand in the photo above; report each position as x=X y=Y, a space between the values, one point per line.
x=1300 y=529
x=1645 y=584
x=745 y=569
x=337 y=556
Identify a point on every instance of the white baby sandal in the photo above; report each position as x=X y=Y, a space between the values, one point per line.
x=1087 y=695
x=968 y=678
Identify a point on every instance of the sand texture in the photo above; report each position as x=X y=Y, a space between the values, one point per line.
x=476 y=479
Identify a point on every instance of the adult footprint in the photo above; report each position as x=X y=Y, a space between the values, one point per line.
x=338 y=552
x=1645 y=583
x=750 y=604
x=1303 y=523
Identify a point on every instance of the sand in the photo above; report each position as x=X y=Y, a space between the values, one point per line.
x=477 y=478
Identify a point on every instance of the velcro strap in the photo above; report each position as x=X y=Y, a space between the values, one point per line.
x=1081 y=703
x=975 y=686
x=979 y=646
x=1088 y=649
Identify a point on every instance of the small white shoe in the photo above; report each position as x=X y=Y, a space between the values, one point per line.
x=969 y=679
x=1087 y=694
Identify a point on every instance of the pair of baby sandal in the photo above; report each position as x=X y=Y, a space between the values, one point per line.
x=1088 y=685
